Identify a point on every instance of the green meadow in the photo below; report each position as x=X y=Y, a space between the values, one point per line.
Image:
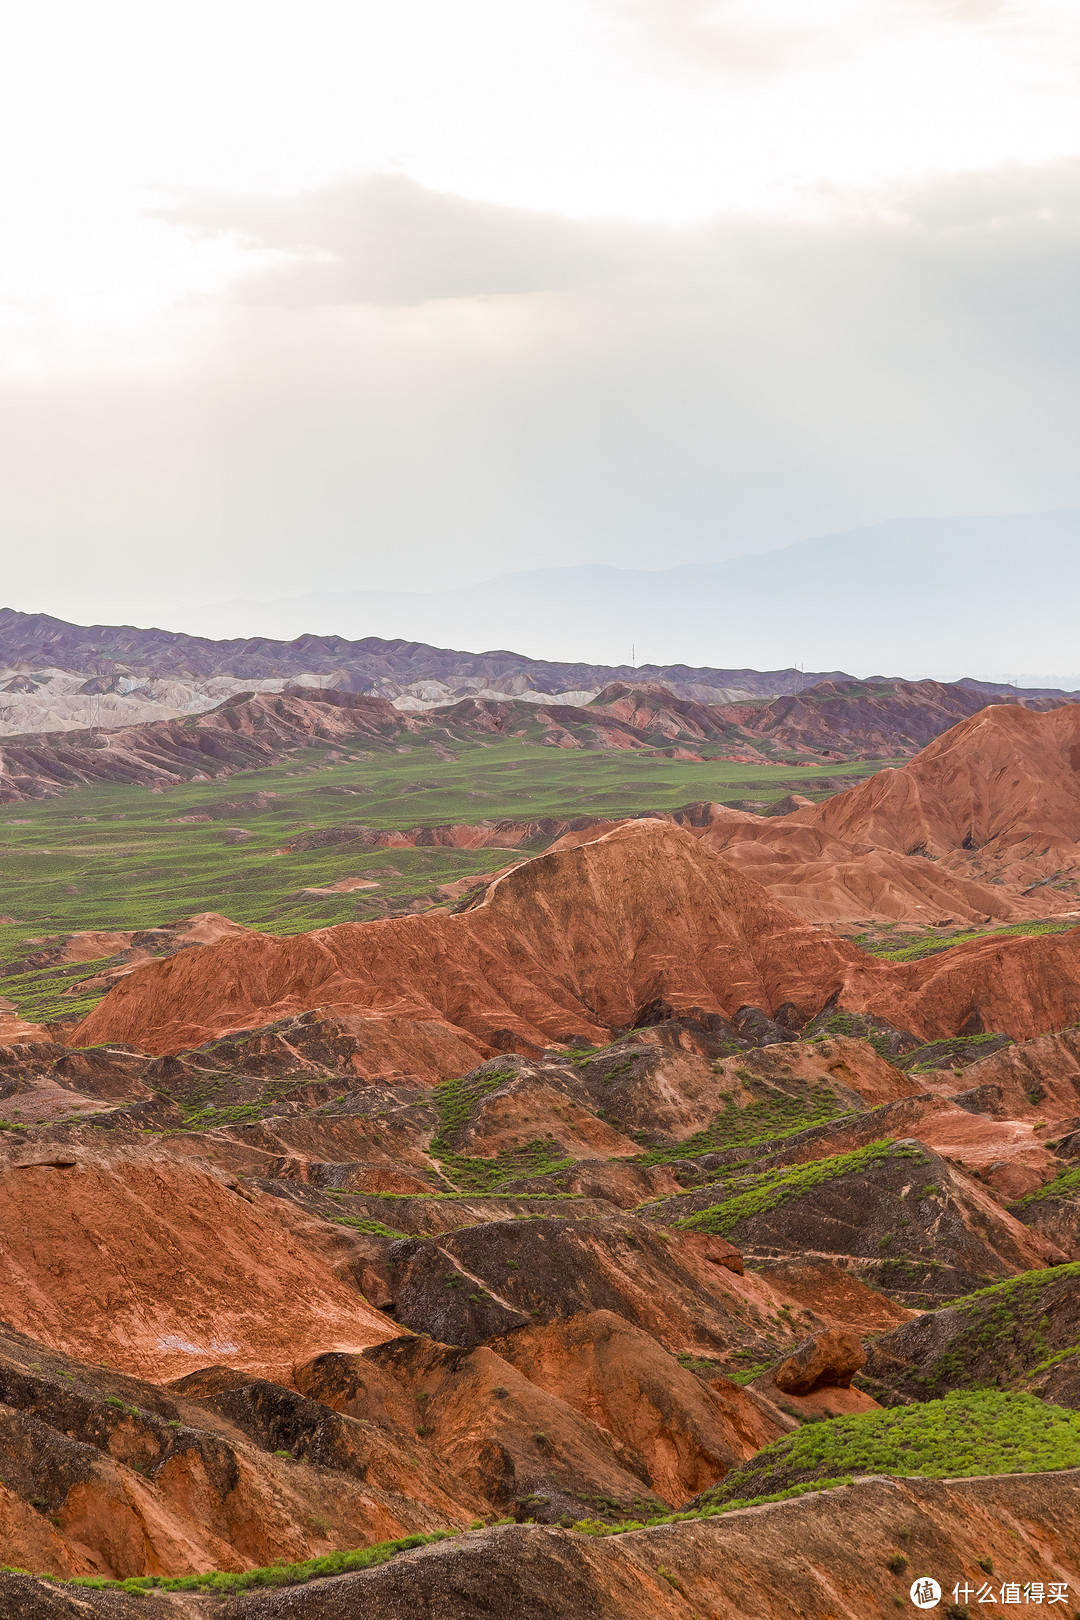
x=127 y=858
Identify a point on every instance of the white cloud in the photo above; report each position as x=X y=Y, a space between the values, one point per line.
x=470 y=390
x=388 y=240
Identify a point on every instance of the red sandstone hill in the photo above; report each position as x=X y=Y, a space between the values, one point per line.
x=983 y=825
x=574 y=943
x=996 y=797
x=640 y=922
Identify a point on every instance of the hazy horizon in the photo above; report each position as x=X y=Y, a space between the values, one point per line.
x=815 y=605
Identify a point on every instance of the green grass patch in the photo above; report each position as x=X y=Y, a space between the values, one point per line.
x=279 y=1574
x=970 y=1432
x=541 y=1157
x=770 y=1120
x=755 y=1195
x=932 y=944
x=1066 y=1185
x=363 y=1223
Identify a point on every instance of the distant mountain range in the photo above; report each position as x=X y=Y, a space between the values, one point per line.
x=117 y=660
x=992 y=596
x=36 y=641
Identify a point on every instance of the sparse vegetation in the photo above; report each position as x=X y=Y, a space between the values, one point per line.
x=753 y=1195
x=777 y=1115
x=456 y=1100
x=981 y=1432
x=1000 y=1334
x=364 y=1224
x=933 y=941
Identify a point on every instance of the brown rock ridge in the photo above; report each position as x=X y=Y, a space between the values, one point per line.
x=868 y=719
x=835 y=1550
x=243 y=733
x=104 y=1474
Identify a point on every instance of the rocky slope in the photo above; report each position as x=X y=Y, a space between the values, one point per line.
x=828 y=879
x=847 y=1551
x=560 y=1209
x=564 y=1338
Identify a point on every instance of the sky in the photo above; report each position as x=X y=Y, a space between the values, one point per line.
x=342 y=296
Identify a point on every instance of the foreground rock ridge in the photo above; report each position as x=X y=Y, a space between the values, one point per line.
x=626 y=1240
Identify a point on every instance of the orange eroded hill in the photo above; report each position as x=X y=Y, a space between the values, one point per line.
x=155 y=1267
x=575 y=943
x=641 y=922
x=982 y=826
x=996 y=797
x=826 y=880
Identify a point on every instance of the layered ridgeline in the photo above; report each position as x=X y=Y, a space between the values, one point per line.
x=57 y=676
x=443 y=1254
x=51 y=746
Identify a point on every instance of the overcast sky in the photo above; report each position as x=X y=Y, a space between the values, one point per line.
x=352 y=295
